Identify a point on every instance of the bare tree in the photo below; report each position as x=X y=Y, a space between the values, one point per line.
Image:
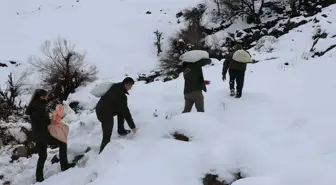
x=296 y=5
x=218 y=7
x=157 y=43
x=233 y=8
x=187 y=39
x=293 y=6
x=192 y=37
x=63 y=68
x=14 y=88
x=194 y=16
x=169 y=62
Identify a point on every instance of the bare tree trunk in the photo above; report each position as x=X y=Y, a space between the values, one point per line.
x=218 y=7
x=300 y=4
x=253 y=7
x=261 y=7
x=293 y=7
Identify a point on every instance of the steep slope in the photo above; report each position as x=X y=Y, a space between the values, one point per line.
x=280 y=132
x=118 y=36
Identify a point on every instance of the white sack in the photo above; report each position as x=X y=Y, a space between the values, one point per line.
x=100 y=89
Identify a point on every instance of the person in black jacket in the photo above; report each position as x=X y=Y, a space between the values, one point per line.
x=40 y=120
x=114 y=103
x=236 y=71
x=194 y=84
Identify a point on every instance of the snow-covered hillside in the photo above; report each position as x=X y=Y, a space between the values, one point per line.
x=117 y=36
x=280 y=132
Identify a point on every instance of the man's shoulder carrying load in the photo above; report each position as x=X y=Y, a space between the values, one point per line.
x=242 y=56
x=100 y=89
x=194 y=56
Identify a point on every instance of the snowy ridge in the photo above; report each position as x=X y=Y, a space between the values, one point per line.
x=279 y=132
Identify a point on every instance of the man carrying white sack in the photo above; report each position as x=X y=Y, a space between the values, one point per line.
x=194 y=83
x=235 y=63
x=113 y=102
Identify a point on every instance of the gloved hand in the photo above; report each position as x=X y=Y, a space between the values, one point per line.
x=207 y=82
x=223 y=77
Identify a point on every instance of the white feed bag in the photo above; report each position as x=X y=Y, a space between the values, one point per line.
x=100 y=89
x=194 y=56
x=242 y=56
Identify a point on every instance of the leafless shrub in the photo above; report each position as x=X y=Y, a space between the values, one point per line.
x=190 y=38
x=63 y=68
x=13 y=89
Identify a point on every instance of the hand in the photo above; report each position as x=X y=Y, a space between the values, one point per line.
x=224 y=77
x=207 y=82
x=134 y=130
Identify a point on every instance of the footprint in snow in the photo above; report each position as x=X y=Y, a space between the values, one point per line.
x=90 y=178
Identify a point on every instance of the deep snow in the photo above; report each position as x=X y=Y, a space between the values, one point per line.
x=117 y=35
x=280 y=132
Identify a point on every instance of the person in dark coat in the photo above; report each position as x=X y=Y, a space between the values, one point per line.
x=40 y=120
x=114 y=103
x=194 y=84
x=236 y=72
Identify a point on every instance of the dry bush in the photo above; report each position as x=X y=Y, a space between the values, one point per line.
x=63 y=68
x=14 y=87
x=194 y=16
x=228 y=9
x=187 y=39
x=211 y=179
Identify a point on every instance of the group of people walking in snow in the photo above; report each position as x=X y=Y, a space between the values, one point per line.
x=113 y=102
x=235 y=63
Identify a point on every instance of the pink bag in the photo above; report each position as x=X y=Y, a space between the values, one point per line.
x=57 y=128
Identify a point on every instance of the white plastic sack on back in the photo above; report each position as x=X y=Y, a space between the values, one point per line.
x=100 y=89
x=242 y=56
x=194 y=56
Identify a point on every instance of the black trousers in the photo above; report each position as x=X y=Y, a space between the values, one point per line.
x=107 y=127
x=237 y=76
x=42 y=153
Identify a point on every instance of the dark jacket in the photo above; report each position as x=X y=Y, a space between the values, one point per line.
x=40 y=120
x=114 y=102
x=229 y=63
x=193 y=76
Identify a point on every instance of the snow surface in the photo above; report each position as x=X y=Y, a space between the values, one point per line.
x=280 y=132
x=117 y=35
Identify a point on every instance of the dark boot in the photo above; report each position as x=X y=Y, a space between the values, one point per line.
x=232 y=92
x=124 y=132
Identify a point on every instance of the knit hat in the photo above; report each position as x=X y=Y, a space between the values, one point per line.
x=237 y=47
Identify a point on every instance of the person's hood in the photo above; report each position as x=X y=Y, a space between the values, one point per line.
x=33 y=104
